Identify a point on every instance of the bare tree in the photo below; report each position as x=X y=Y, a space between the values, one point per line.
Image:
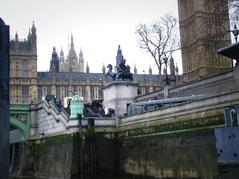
x=234 y=8
x=159 y=38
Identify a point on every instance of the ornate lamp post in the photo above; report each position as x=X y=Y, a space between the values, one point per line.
x=235 y=32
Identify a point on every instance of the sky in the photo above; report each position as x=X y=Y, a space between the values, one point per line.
x=97 y=26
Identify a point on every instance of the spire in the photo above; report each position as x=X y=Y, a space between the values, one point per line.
x=33 y=38
x=61 y=53
x=150 y=70
x=135 y=69
x=16 y=41
x=80 y=54
x=54 y=67
x=33 y=28
x=72 y=43
x=81 y=62
x=16 y=37
x=87 y=68
x=29 y=35
x=103 y=69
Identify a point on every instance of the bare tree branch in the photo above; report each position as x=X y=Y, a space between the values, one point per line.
x=159 y=38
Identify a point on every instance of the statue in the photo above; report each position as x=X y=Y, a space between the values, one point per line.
x=110 y=72
x=123 y=72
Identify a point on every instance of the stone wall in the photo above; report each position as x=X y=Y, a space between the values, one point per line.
x=182 y=154
x=49 y=158
x=47 y=120
x=47 y=124
x=177 y=155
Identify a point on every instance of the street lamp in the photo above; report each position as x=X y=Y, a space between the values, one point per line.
x=235 y=32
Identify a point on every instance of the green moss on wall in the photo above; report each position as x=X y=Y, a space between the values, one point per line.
x=174 y=126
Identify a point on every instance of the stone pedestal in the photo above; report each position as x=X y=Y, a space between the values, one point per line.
x=118 y=94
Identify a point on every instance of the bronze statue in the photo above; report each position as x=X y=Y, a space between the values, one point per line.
x=123 y=72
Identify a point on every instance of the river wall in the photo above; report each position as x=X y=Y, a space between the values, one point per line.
x=186 y=154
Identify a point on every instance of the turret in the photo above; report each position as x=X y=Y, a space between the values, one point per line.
x=135 y=70
x=72 y=43
x=81 y=61
x=87 y=68
x=62 y=61
x=54 y=67
x=16 y=41
x=33 y=39
x=103 y=69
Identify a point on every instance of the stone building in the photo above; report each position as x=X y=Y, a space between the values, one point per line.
x=66 y=76
x=203 y=30
x=23 y=68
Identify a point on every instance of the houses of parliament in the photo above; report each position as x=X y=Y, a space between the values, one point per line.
x=199 y=28
x=67 y=75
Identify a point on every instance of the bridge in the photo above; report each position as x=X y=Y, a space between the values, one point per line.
x=20 y=121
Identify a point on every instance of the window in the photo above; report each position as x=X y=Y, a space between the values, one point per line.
x=25 y=91
x=58 y=92
x=66 y=91
x=25 y=69
x=48 y=90
x=40 y=93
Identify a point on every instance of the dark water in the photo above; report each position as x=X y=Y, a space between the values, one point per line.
x=75 y=178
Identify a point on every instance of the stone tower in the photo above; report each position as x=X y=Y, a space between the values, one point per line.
x=23 y=68
x=203 y=31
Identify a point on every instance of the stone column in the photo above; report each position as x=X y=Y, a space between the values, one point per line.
x=4 y=99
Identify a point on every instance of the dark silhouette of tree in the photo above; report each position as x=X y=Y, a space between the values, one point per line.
x=159 y=38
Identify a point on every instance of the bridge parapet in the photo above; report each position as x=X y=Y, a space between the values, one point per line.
x=206 y=112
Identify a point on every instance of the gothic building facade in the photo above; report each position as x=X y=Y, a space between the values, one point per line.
x=203 y=30
x=23 y=68
x=71 y=63
x=66 y=76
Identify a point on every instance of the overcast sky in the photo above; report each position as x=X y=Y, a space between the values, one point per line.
x=98 y=27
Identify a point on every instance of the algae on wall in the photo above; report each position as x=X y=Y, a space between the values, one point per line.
x=52 y=156
x=189 y=154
